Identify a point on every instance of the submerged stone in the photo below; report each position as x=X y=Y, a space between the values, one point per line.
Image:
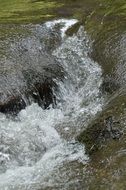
x=35 y=87
x=28 y=71
x=13 y=105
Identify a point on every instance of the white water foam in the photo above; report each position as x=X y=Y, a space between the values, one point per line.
x=66 y=24
x=83 y=80
x=31 y=148
x=34 y=145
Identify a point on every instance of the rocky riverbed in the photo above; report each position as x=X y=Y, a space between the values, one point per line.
x=63 y=95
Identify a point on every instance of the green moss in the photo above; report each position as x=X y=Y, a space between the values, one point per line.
x=25 y=11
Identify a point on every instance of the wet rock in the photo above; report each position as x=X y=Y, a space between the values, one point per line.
x=28 y=70
x=27 y=81
x=97 y=134
x=109 y=85
x=34 y=86
x=109 y=51
x=45 y=95
x=13 y=105
x=110 y=130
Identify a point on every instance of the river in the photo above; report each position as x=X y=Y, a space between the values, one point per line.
x=38 y=143
x=78 y=48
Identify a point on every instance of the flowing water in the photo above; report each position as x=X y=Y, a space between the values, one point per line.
x=38 y=149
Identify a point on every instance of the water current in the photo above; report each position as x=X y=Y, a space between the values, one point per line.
x=36 y=144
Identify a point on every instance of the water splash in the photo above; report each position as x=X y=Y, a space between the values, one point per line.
x=39 y=141
x=80 y=94
x=31 y=147
x=65 y=23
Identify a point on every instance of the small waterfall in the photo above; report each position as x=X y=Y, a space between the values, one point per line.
x=38 y=142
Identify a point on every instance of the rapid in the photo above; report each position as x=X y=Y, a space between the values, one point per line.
x=38 y=143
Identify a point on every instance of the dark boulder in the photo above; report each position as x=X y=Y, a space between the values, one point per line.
x=13 y=105
x=28 y=73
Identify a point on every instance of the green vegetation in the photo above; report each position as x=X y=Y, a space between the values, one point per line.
x=26 y=11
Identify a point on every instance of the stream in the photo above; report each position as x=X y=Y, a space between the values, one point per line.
x=38 y=149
